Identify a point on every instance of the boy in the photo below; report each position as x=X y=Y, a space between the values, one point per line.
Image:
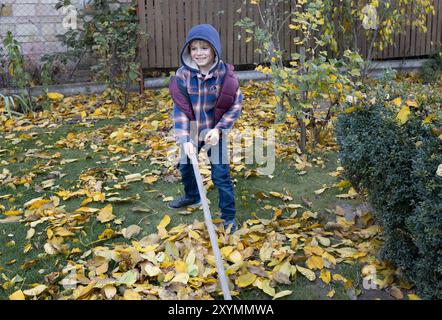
x=207 y=102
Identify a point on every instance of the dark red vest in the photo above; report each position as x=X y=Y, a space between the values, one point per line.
x=226 y=98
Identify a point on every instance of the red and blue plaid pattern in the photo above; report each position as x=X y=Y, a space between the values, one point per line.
x=203 y=93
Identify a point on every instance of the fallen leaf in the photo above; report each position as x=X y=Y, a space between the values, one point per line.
x=131 y=231
x=403 y=115
x=310 y=275
x=105 y=214
x=325 y=276
x=245 y=280
x=55 y=96
x=109 y=291
x=164 y=222
x=35 y=291
x=17 y=295
x=131 y=295
x=282 y=294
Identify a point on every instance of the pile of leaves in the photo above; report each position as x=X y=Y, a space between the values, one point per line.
x=175 y=262
x=178 y=262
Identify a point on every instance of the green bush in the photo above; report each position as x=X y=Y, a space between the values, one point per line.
x=432 y=68
x=396 y=164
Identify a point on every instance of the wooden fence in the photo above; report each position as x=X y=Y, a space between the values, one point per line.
x=168 y=22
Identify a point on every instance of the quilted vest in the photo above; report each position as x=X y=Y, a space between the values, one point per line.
x=226 y=97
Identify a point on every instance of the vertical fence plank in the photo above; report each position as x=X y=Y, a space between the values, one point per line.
x=433 y=31
x=244 y=44
x=402 y=37
x=222 y=14
x=238 y=33
x=181 y=29
x=174 y=4
x=439 y=24
x=151 y=50
x=159 y=40
x=166 y=22
x=413 y=48
x=229 y=33
x=209 y=13
x=428 y=34
x=142 y=40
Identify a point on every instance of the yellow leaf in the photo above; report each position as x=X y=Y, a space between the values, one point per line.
x=130 y=294
x=180 y=266
x=309 y=250
x=429 y=118
x=412 y=296
x=13 y=212
x=403 y=115
x=181 y=277
x=35 y=291
x=397 y=102
x=325 y=276
x=106 y=234
x=306 y=273
x=153 y=271
x=235 y=257
x=27 y=248
x=110 y=291
x=133 y=177
x=277 y=213
x=329 y=258
x=150 y=179
x=331 y=293
x=49 y=249
x=225 y=251
x=282 y=294
x=411 y=103
x=319 y=191
x=315 y=262
x=63 y=232
x=267 y=288
x=324 y=241
x=17 y=295
x=54 y=96
x=194 y=234
x=350 y=110
x=338 y=277
x=245 y=280
x=164 y=222
x=105 y=214
x=333 y=77
x=30 y=233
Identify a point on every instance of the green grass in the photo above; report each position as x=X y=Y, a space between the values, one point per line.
x=285 y=180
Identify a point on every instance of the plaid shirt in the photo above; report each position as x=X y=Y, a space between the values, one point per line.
x=203 y=93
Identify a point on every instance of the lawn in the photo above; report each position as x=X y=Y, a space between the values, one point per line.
x=82 y=154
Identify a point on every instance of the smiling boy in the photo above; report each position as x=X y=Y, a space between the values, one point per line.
x=207 y=102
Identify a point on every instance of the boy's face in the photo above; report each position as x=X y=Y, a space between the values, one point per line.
x=202 y=53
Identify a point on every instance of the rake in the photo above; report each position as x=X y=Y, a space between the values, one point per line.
x=209 y=224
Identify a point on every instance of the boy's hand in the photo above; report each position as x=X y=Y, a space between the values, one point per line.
x=189 y=149
x=212 y=137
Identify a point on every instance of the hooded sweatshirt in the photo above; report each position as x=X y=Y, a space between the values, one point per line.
x=203 y=90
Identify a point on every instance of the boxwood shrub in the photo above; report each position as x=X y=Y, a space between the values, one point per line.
x=396 y=165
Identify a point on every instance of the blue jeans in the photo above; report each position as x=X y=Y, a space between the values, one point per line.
x=220 y=176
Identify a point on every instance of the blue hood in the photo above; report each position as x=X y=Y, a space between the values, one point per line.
x=201 y=32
